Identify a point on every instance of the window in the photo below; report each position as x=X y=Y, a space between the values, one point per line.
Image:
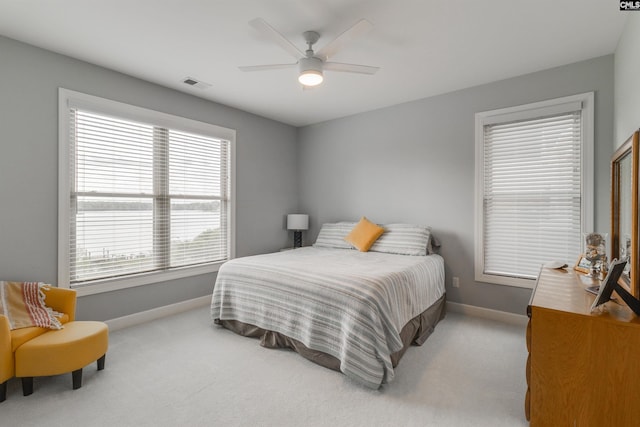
x=534 y=186
x=144 y=196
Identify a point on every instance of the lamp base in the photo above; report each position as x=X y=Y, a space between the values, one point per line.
x=297 y=239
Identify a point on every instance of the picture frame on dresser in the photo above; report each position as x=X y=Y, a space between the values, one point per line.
x=582 y=264
x=608 y=285
x=625 y=235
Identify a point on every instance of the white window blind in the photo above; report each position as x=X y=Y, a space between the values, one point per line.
x=532 y=198
x=532 y=191
x=143 y=197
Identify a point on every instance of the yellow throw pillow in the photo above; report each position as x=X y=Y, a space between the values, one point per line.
x=364 y=234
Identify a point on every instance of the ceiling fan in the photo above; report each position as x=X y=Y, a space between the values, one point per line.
x=311 y=65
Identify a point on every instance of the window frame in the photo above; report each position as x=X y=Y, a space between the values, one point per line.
x=524 y=112
x=68 y=98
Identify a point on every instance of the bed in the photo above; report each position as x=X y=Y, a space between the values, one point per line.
x=356 y=312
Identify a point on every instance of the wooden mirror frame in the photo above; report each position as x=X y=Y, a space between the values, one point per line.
x=630 y=147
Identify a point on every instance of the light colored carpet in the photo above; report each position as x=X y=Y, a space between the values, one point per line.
x=183 y=370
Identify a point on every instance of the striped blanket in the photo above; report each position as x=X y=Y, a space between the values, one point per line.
x=23 y=304
x=349 y=304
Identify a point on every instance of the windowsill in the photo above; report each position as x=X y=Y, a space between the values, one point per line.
x=516 y=282
x=109 y=285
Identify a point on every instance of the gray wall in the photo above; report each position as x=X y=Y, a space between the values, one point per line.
x=414 y=162
x=627 y=81
x=29 y=80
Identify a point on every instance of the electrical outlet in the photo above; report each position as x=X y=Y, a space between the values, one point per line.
x=455 y=282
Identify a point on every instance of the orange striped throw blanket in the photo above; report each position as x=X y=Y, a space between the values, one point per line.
x=23 y=304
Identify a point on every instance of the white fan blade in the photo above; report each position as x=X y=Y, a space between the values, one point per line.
x=350 y=68
x=360 y=28
x=266 y=67
x=268 y=31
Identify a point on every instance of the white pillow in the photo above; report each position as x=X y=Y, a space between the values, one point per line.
x=332 y=235
x=404 y=239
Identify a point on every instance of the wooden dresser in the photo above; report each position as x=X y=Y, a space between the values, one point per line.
x=583 y=369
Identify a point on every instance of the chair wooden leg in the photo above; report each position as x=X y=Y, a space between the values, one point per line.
x=3 y=391
x=77 y=378
x=101 y=362
x=27 y=386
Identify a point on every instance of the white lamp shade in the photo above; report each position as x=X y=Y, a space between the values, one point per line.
x=297 y=222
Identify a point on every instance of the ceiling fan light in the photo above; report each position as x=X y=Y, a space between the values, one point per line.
x=310 y=78
x=310 y=71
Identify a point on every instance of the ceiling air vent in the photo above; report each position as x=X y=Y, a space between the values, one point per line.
x=195 y=83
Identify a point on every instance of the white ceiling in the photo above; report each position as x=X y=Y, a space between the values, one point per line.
x=424 y=47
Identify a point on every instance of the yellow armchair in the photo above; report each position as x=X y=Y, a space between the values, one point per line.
x=7 y=367
x=59 y=299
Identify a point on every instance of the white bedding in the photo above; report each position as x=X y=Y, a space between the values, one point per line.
x=349 y=304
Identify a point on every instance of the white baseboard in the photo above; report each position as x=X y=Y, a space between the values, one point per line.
x=487 y=313
x=169 y=310
x=157 y=313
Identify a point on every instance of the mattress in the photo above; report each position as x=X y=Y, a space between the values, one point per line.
x=347 y=304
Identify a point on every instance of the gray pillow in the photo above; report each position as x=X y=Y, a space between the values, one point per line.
x=404 y=239
x=332 y=235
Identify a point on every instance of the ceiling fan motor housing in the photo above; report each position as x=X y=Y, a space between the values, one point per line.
x=310 y=64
